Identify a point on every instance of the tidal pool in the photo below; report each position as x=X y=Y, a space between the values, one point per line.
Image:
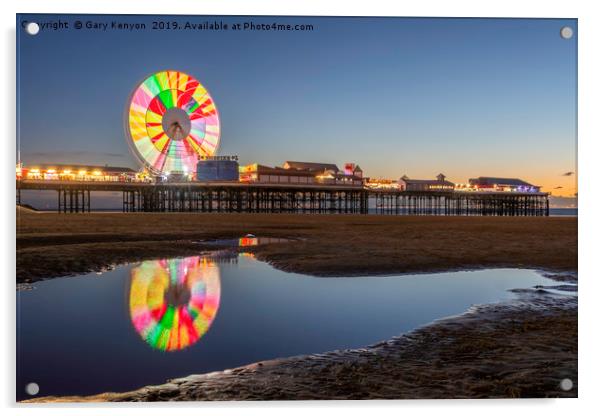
x=144 y=323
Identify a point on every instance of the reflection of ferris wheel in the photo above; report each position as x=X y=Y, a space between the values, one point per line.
x=173 y=302
x=171 y=121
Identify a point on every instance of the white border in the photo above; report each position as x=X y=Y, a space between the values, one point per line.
x=590 y=68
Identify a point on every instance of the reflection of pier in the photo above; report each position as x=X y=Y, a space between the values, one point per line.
x=74 y=196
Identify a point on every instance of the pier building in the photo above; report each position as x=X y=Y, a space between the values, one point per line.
x=426 y=185
x=74 y=172
x=220 y=168
x=485 y=183
x=321 y=168
x=313 y=175
x=382 y=184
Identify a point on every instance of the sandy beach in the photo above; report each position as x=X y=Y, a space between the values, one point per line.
x=50 y=245
x=521 y=348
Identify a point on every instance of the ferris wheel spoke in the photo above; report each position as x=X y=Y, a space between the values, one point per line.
x=185 y=100
x=194 y=144
x=204 y=110
x=162 y=142
x=157 y=107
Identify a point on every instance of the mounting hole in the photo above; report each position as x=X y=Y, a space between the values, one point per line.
x=566 y=384
x=32 y=389
x=566 y=32
x=32 y=28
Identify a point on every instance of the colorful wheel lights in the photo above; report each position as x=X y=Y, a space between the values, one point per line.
x=173 y=302
x=171 y=121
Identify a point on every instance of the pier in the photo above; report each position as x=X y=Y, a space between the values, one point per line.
x=75 y=197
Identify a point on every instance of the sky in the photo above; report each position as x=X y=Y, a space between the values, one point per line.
x=414 y=96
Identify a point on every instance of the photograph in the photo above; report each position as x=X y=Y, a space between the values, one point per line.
x=295 y=208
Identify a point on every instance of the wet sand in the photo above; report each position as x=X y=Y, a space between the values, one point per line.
x=50 y=245
x=522 y=348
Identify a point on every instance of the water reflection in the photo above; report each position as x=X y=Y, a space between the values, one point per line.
x=174 y=301
x=264 y=313
x=248 y=240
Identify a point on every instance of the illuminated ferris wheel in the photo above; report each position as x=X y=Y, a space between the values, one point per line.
x=172 y=121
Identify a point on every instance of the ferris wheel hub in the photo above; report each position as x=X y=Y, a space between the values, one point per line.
x=176 y=123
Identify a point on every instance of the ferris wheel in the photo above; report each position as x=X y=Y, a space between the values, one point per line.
x=171 y=122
